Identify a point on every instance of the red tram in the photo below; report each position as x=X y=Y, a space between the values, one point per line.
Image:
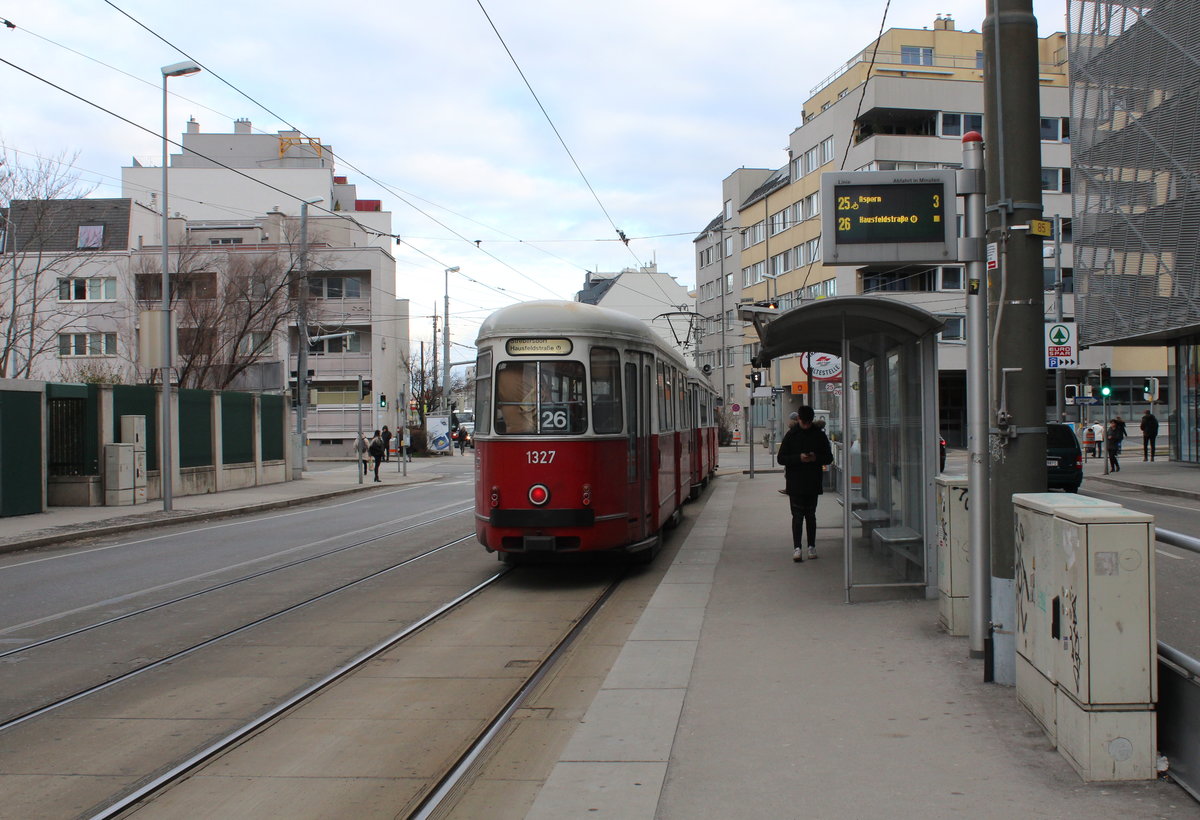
x=590 y=432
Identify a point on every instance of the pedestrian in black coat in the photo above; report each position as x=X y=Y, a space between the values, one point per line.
x=804 y=452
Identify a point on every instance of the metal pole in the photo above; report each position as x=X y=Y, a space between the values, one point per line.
x=978 y=522
x=1011 y=116
x=164 y=439
x=302 y=347
x=750 y=428
x=1060 y=376
x=446 y=344
x=358 y=442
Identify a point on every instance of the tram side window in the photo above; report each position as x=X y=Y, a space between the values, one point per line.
x=540 y=398
x=483 y=393
x=606 y=390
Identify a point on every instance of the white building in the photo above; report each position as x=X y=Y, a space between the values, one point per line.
x=649 y=295
x=245 y=189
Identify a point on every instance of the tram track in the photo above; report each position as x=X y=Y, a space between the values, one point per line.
x=215 y=639
x=224 y=585
x=187 y=788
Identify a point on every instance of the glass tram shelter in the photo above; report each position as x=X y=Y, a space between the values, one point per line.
x=886 y=441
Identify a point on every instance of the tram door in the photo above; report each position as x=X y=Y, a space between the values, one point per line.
x=637 y=414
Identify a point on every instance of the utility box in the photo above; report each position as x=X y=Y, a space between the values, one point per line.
x=1107 y=664
x=954 y=581
x=133 y=431
x=118 y=474
x=1037 y=583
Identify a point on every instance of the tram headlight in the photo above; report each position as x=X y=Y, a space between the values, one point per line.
x=587 y=494
x=538 y=495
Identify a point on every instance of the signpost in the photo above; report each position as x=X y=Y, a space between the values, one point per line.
x=1061 y=348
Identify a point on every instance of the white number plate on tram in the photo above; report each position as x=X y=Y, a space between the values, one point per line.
x=540 y=456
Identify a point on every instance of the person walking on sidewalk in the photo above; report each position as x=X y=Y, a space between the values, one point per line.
x=1149 y=427
x=362 y=446
x=375 y=449
x=1116 y=433
x=793 y=420
x=386 y=435
x=804 y=452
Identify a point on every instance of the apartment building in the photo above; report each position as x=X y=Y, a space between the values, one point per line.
x=241 y=192
x=649 y=294
x=901 y=103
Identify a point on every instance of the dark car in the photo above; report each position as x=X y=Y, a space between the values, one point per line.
x=1064 y=458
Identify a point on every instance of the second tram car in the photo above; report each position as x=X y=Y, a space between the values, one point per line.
x=590 y=432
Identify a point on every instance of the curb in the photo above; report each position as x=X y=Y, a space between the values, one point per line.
x=1153 y=488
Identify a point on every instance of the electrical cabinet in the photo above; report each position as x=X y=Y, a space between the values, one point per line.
x=1106 y=666
x=133 y=431
x=954 y=581
x=118 y=474
x=1037 y=583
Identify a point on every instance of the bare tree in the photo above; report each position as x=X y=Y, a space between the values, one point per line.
x=37 y=251
x=422 y=377
x=231 y=308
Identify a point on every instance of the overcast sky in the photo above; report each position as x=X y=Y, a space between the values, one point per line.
x=657 y=100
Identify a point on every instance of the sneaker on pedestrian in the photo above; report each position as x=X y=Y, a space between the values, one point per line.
x=812 y=552
x=797 y=555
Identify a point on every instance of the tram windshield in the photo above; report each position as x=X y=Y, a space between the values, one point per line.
x=540 y=398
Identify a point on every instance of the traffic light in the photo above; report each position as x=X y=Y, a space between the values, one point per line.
x=1105 y=381
x=383 y=401
x=366 y=388
x=756 y=378
x=1150 y=389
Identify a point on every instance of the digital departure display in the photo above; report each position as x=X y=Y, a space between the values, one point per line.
x=885 y=213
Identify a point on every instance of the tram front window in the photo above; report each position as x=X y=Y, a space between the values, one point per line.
x=544 y=398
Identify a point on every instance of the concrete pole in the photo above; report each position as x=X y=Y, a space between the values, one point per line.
x=164 y=427
x=1015 y=306
x=446 y=344
x=978 y=522
x=358 y=442
x=302 y=346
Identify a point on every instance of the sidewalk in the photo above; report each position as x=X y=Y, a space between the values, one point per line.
x=60 y=523
x=748 y=688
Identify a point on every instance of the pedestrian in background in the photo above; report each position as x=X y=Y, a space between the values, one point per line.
x=375 y=450
x=386 y=435
x=1097 y=438
x=361 y=447
x=1149 y=427
x=1116 y=434
x=804 y=452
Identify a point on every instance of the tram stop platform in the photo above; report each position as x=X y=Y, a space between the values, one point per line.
x=748 y=687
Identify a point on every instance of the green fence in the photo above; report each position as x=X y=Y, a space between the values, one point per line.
x=138 y=400
x=195 y=428
x=20 y=452
x=237 y=427
x=273 y=433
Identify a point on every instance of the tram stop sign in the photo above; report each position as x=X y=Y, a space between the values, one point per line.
x=1061 y=347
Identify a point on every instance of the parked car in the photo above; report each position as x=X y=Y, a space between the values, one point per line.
x=1064 y=458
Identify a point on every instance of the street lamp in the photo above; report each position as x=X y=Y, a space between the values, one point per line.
x=446 y=346
x=164 y=461
x=302 y=344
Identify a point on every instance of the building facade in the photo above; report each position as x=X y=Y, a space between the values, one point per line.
x=1135 y=106
x=243 y=190
x=650 y=295
x=902 y=103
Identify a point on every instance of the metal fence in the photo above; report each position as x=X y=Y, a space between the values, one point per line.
x=66 y=437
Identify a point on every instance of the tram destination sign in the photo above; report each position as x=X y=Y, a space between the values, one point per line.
x=889 y=217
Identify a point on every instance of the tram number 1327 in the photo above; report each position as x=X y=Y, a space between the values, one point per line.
x=540 y=456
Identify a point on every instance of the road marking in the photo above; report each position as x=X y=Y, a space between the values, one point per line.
x=1140 y=500
x=1170 y=555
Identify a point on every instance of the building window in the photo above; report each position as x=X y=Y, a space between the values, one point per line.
x=812 y=249
x=779 y=222
x=226 y=240
x=952 y=278
x=1055 y=129
x=781 y=263
x=729 y=209
x=827 y=150
x=979 y=60
x=916 y=55
x=728 y=246
x=335 y=287
x=956 y=123
x=258 y=343
x=87 y=344
x=729 y=283
x=95 y=289
x=1056 y=180
x=90 y=236
x=811 y=160
x=955 y=329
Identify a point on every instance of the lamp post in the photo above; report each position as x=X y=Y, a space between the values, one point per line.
x=302 y=343
x=164 y=439
x=446 y=347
